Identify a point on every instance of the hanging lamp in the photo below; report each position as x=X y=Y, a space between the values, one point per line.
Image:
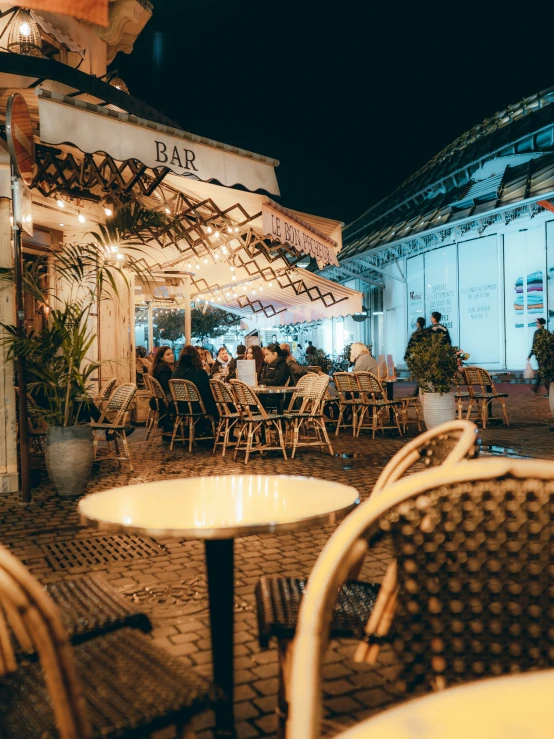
x=24 y=36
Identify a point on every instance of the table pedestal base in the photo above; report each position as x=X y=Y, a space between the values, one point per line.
x=220 y=566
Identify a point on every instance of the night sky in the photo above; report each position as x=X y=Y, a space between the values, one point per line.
x=351 y=98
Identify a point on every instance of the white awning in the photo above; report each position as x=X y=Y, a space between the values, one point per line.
x=92 y=128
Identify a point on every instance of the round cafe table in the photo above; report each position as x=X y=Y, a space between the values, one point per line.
x=509 y=707
x=279 y=394
x=219 y=509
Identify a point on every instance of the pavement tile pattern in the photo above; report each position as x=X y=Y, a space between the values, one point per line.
x=168 y=577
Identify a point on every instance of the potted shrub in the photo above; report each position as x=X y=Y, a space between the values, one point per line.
x=433 y=364
x=69 y=284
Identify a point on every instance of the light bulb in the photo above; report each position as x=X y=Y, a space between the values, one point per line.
x=205 y=260
x=236 y=230
x=108 y=212
x=81 y=218
x=167 y=211
x=216 y=255
x=253 y=292
x=234 y=295
x=60 y=203
x=261 y=289
x=114 y=248
x=197 y=266
x=269 y=284
x=120 y=256
x=25 y=29
x=216 y=234
x=209 y=229
x=224 y=249
x=232 y=269
x=229 y=230
x=234 y=277
x=62 y=224
x=189 y=266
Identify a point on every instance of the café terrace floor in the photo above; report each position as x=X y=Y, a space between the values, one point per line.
x=168 y=577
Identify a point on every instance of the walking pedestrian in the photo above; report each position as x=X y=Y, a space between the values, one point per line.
x=535 y=351
x=437 y=327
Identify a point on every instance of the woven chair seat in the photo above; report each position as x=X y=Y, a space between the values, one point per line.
x=189 y=415
x=129 y=685
x=278 y=602
x=381 y=403
x=89 y=606
x=462 y=395
x=491 y=395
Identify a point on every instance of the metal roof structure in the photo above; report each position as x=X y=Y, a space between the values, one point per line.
x=497 y=170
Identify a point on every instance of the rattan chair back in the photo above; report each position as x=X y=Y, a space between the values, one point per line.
x=223 y=397
x=486 y=381
x=156 y=389
x=106 y=390
x=449 y=443
x=185 y=392
x=119 y=403
x=36 y=626
x=247 y=401
x=472 y=375
x=301 y=396
x=468 y=593
x=346 y=383
x=369 y=384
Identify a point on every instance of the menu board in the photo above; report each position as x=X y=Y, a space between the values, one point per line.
x=246 y=371
x=441 y=287
x=478 y=300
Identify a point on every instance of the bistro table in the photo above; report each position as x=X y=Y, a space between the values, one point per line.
x=498 y=708
x=274 y=393
x=219 y=509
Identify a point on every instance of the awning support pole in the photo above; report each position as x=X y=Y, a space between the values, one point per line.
x=188 y=309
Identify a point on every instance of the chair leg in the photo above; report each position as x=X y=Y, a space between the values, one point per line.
x=339 y=421
x=178 y=423
x=284 y=651
x=126 y=449
x=281 y=438
x=323 y=428
x=192 y=426
x=504 y=411
x=94 y=443
x=296 y=430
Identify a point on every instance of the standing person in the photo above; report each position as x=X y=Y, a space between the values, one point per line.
x=363 y=361
x=415 y=338
x=162 y=368
x=437 y=327
x=277 y=371
x=310 y=349
x=254 y=352
x=189 y=367
x=541 y=327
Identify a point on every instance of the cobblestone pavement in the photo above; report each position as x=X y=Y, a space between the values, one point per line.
x=169 y=577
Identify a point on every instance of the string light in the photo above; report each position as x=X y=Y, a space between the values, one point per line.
x=234 y=277
x=232 y=269
x=269 y=284
x=236 y=230
x=209 y=229
x=197 y=266
x=60 y=203
x=216 y=255
x=81 y=218
x=167 y=211
x=216 y=234
x=62 y=224
x=224 y=249
x=108 y=208
x=229 y=230
x=205 y=260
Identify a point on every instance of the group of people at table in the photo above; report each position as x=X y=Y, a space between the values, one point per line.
x=275 y=367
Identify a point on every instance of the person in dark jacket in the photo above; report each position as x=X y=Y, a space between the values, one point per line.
x=255 y=352
x=297 y=370
x=415 y=338
x=437 y=327
x=541 y=326
x=277 y=371
x=189 y=367
x=241 y=354
x=310 y=349
x=222 y=364
x=162 y=368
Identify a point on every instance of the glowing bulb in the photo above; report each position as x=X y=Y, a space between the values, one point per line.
x=197 y=266
x=189 y=266
x=236 y=230
x=253 y=292
x=224 y=249
x=62 y=224
x=205 y=260
x=232 y=269
x=114 y=249
x=261 y=289
x=229 y=230
x=216 y=255
x=269 y=284
x=108 y=212
x=209 y=229
x=25 y=29
x=234 y=277
x=60 y=203
x=234 y=295
x=167 y=211
x=81 y=218
x=120 y=256
x=216 y=234
x=228 y=295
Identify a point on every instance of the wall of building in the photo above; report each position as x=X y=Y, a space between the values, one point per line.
x=490 y=289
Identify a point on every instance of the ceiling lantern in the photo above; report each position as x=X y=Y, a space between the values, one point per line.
x=119 y=84
x=24 y=37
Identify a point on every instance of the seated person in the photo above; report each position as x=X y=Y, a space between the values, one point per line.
x=189 y=367
x=277 y=371
x=297 y=370
x=221 y=366
x=241 y=354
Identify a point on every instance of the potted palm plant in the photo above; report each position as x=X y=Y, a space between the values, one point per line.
x=433 y=364
x=69 y=285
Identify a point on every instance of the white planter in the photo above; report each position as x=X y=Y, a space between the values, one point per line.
x=551 y=400
x=438 y=408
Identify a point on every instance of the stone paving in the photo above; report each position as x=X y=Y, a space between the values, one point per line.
x=170 y=580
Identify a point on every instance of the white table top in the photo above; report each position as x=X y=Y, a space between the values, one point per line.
x=510 y=707
x=219 y=507
x=274 y=389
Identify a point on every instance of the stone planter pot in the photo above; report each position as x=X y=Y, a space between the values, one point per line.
x=551 y=400
x=438 y=408
x=69 y=454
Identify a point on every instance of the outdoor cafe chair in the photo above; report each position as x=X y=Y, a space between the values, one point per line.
x=229 y=417
x=278 y=599
x=36 y=425
x=383 y=414
x=104 y=395
x=115 y=429
x=349 y=399
x=310 y=396
x=158 y=409
x=484 y=395
x=115 y=685
x=467 y=595
x=189 y=411
x=257 y=425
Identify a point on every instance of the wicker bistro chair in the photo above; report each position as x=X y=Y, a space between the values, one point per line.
x=189 y=410
x=229 y=417
x=257 y=425
x=118 y=406
x=461 y=396
x=158 y=407
x=484 y=396
x=278 y=599
x=36 y=425
x=373 y=401
x=116 y=685
x=349 y=399
x=468 y=593
x=310 y=394
x=105 y=392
